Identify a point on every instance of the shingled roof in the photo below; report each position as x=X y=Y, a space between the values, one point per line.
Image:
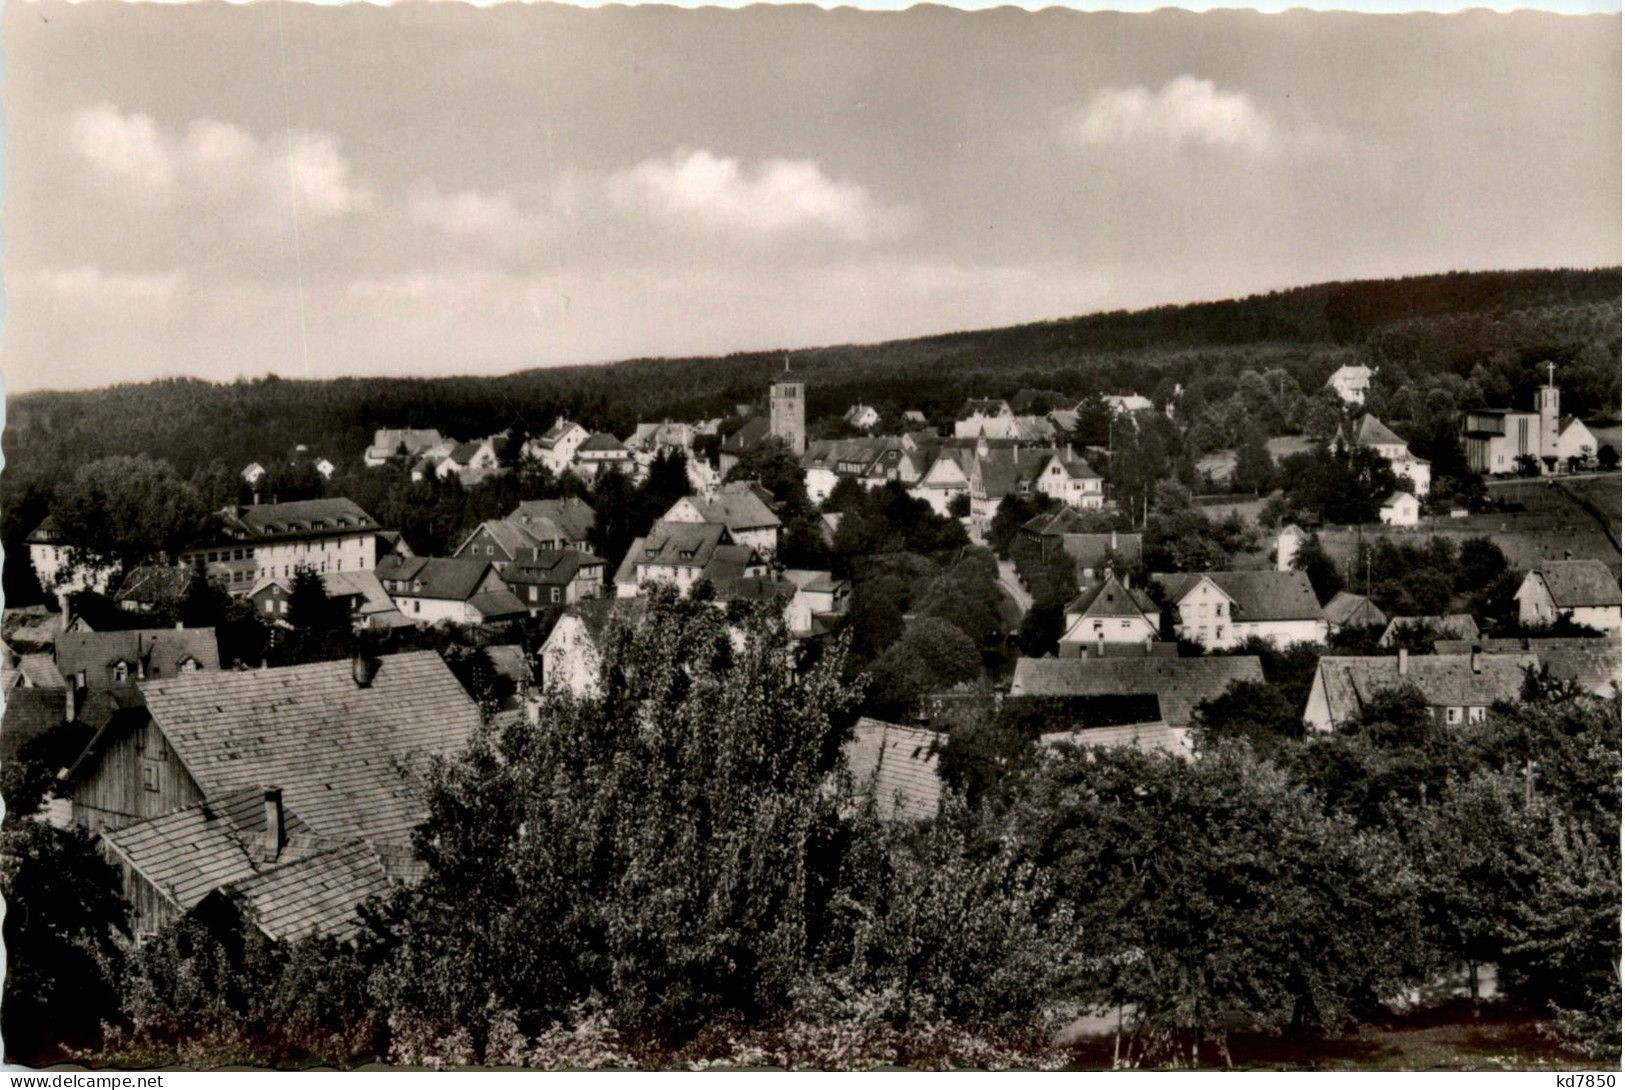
x=1592 y=662
x=1353 y=681
x=897 y=766
x=295 y=520
x=155 y=584
x=1575 y=584
x=1461 y=626
x=736 y=506
x=1110 y=598
x=1093 y=550
x=1371 y=432
x=29 y=713
x=448 y=578
x=163 y=650
x=318 y=894
x=1180 y=684
x=313 y=885
x=548 y=520
x=344 y=754
x=1258 y=595
x=1347 y=608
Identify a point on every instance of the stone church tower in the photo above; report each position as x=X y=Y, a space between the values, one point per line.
x=787 y=414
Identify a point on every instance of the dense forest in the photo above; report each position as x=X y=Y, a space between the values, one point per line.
x=1456 y=339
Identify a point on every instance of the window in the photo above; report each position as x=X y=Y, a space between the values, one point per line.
x=555 y=593
x=1475 y=715
x=149 y=775
x=121 y=671
x=1452 y=715
x=1218 y=632
x=417 y=607
x=534 y=596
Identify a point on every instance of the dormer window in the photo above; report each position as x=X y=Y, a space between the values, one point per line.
x=121 y=671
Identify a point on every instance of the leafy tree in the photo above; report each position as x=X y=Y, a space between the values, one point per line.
x=65 y=926
x=122 y=510
x=309 y=607
x=931 y=654
x=1314 y=561
x=488 y=688
x=1607 y=458
x=1255 y=469
x=29 y=779
x=1214 y=895
x=1250 y=711
x=1014 y=512
x=671 y=837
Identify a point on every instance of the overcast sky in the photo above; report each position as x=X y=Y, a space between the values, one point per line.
x=427 y=189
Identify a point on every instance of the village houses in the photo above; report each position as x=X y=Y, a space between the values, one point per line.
x=271 y=540
x=1582 y=592
x=1220 y=609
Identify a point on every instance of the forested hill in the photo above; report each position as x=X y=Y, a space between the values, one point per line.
x=1491 y=326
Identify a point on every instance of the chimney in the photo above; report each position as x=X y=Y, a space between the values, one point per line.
x=1475 y=660
x=364 y=668
x=1404 y=662
x=275 y=835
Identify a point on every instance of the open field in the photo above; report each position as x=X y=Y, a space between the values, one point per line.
x=1552 y=526
x=1222 y=463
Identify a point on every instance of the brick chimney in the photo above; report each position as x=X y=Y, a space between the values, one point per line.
x=275 y=833
x=1404 y=662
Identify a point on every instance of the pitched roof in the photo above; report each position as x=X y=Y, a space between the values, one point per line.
x=1577 y=583
x=164 y=649
x=551 y=567
x=1347 y=608
x=463 y=453
x=510 y=661
x=448 y=578
x=1459 y=625
x=561 y=427
x=46 y=533
x=754 y=433
x=35 y=670
x=1180 y=684
x=28 y=714
x=736 y=506
x=318 y=894
x=600 y=441
x=1110 y=598
x=294 y=520
x=1590 y=661
x=897 y=766
x=813 y=581
x=1145 y=737
x=1093 y=550
x=154 y=584
x=1062 y=520
x=497 y=605
x=386 y=441
x=1352 y=681
x=1394 y=498
x=573 y=516
x=343 y=754
x=1258 y=595
x=597 y=615
x=187 y=854
x=1371 y=432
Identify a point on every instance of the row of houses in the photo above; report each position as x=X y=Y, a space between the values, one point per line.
x=1151 y=703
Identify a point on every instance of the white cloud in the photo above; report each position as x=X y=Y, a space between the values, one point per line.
x=467 y=213
x=696 y=189
x=127 y=147
x=87 y=287
x=218 y=161
x=1189 y=111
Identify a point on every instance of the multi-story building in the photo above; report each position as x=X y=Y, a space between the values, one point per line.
x=1220 y=609
x=273 y=540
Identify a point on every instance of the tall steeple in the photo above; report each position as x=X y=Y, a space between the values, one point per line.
x=1546 y=403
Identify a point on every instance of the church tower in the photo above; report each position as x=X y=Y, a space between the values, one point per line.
x=787 y=414
x=1546 y=404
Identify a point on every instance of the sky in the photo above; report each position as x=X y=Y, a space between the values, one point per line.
x=230 y=190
